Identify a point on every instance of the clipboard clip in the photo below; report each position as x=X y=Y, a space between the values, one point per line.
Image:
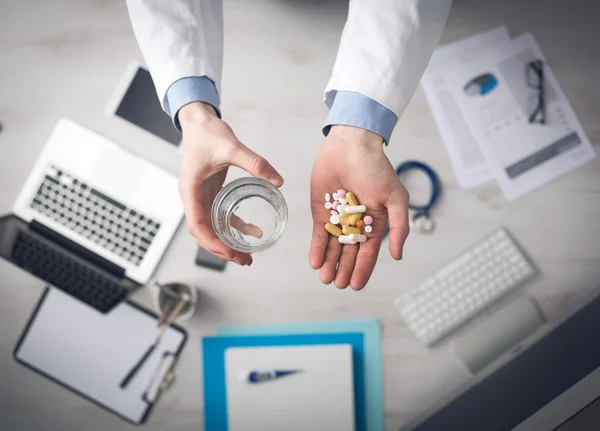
x=162 y=378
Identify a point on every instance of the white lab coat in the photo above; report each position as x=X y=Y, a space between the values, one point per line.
x=384 y=48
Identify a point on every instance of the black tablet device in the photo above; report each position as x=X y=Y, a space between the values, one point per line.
x=136 y=102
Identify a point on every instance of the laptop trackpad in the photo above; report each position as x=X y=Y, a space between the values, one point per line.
x=117 y=173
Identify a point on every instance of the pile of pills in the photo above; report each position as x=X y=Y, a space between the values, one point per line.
x=346 y=221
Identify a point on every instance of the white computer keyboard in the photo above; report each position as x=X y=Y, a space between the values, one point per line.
x=464 y=287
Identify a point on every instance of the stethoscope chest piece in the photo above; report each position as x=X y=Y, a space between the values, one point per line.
x=421 y=222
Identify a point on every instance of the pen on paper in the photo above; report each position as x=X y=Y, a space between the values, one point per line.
x=259 y=376
x=131 y=374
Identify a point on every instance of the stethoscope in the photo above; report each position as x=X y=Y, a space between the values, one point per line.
x=421 y=219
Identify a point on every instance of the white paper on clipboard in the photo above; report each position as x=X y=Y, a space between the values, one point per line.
x=90 y=352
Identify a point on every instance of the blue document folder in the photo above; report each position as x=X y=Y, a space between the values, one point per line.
x=369 y=327
x=215 y=397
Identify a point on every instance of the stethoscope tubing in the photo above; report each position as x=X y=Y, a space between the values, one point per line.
x=436 y=188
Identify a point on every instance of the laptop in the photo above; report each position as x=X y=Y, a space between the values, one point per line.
x=92 y=219
x=549 y=382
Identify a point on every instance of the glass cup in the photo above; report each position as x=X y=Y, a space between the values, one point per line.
x=249 y=214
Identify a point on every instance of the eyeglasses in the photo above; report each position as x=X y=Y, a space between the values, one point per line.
x=534 y=75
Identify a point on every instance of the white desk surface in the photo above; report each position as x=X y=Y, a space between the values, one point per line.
x=64 y=58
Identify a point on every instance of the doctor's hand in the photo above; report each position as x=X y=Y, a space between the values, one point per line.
x=209 y=148
x=353 y=159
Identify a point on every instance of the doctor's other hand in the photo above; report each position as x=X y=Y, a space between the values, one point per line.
x=209 y=148
x=353 y=159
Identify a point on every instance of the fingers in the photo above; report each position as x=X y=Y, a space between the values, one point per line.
x=198 y=227
x=239 y=258
x=318 y=245
x=196 y=221
x=246 y=228
x=397 y=207
x=366 y=260
x=346 y=266
x=206 y=238
x=243 y=157
x=332 y=255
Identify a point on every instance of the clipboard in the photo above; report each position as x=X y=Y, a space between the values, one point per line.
x=88 y=352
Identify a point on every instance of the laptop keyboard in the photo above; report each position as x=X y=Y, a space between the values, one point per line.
x=63 y=272
x=95 y=216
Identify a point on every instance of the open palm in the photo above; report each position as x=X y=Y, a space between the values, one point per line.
x=362 y=168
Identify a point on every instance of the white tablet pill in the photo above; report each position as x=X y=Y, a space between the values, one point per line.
x=358 y=237
x=354 y=209
x=345 y=239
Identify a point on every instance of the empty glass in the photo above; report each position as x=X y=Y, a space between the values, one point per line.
x=249 y=214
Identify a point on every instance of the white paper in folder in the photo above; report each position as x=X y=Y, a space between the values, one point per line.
x=319 y=397
x=91 y=352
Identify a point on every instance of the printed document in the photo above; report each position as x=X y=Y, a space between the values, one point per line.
x=465 y=156
x=496 y=98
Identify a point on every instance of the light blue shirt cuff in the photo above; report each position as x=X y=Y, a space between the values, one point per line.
x=188 y=90
x=355 y=109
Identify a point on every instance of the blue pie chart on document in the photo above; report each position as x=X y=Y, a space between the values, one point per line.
x=481 y=85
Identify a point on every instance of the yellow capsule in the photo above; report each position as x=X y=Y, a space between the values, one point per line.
x=351 y=199
x=360 y=224
x=345 y=219
x=354 y=218
x=348 y=230
x=333 y=229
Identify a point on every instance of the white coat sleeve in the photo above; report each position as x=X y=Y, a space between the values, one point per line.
x=385 y=48
x=178 y=39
